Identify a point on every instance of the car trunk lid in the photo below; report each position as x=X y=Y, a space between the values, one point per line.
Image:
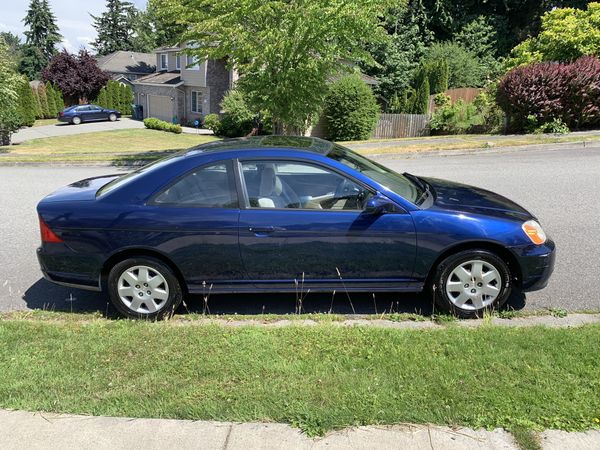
x=83 y=190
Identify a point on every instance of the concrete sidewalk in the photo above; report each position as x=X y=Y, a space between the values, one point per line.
x=24 y=430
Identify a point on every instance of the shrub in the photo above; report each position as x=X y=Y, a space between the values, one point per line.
x=50 y=98
x=212 y=123
x=483 y=115
x=437 y=73
x=421 y=97
x=548 y=91
x=157 y=124
x=351 y=110
x=238 y=119
x=557 y=126
x=27 y=107
x=457 y=118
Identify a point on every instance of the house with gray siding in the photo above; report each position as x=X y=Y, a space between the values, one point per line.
x=183 y=88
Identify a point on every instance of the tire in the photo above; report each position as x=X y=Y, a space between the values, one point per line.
x=112 y=117
x=144 y=288
x=76 y=120
x=471 y=282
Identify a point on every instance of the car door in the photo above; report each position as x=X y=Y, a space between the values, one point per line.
x=196 y=222
x=307 y=221
x=97 y=113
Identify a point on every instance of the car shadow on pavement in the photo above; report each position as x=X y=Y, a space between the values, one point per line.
x=43 y=295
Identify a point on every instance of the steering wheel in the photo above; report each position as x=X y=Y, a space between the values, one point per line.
x=346 y=189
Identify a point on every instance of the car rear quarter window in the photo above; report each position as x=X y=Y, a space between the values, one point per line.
x=206 y=187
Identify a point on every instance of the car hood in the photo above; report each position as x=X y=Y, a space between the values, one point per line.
x=81 y=190
x=449 y=195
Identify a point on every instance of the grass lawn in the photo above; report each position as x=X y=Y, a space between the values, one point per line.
x=42 y=122
x=107 y=146
x=459 y=142
x=317 y=378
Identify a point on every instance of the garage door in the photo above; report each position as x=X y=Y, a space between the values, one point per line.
x=161 y=107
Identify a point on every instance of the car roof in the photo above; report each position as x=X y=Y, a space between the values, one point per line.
x=308 y=144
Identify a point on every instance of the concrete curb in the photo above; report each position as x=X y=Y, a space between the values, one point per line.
x=569 y=321
x=27 y=430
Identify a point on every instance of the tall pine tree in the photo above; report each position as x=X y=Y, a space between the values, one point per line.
x=41 y=38
x=115 y=27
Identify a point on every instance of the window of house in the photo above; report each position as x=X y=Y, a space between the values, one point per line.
x=164 y=61
x=206 y=187
x=178 y=61
x=193 y=62
x=196 y=102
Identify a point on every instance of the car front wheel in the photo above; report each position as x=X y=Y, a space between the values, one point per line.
x=144 y=288
x=76 y=120
x=112 y=117
x=470 y=282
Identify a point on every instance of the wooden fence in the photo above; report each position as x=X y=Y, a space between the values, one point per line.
x=401 y=125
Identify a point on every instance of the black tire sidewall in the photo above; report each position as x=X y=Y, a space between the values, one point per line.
x=175 y=292
x=450 y=263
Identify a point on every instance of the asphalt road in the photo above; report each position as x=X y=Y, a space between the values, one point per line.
x=561 y=185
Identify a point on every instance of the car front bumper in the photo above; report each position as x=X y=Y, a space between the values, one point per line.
x=537 y=265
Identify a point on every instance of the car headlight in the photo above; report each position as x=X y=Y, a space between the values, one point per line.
x=534 y=231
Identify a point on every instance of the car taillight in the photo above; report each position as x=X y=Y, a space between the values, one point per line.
x=47 y=234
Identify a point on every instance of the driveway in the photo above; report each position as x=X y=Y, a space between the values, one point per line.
x=559 y=184
x=66 y=129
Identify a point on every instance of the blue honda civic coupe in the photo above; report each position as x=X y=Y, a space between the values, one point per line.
x=256 y=214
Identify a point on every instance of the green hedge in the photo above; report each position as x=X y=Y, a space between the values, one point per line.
x=157 y=124
x=351 y=110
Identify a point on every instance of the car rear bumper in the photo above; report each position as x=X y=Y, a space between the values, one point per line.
x=54 y=267
x=537 y=265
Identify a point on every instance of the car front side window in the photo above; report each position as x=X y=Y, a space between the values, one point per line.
x=206 y=187
x=300 y=185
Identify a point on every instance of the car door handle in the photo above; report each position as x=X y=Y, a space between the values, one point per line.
x=263 y=230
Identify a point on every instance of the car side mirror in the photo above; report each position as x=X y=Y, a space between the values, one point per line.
x=379 y=204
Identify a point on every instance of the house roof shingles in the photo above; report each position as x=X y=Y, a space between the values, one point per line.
x=161 y=78
x=128 y=62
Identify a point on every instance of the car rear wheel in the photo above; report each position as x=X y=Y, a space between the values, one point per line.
x=144 y=288
x=76 y=120
x=112 y=117
x=468 y=283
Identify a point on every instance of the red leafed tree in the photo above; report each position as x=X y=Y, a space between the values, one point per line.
x=77 y=76
x=551 y=90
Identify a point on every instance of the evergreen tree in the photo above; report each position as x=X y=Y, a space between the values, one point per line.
x=10 y=117
x=115 y=27
x=437 y=71
x=58 y=100
x=26 y=103
x=41 y=38
x=421 y=101
x=52 y=109
x=45 y=112
x=37 y=105
x=126 y=99
x=102 y=99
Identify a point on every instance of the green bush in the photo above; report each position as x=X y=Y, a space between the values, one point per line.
x=464 y=67
x=27 y=107
x=420 y=103
x=481 y=116
x=212 y=123
x=555 y=126
x=157 y=124
x=351 y=110
x=238 y=119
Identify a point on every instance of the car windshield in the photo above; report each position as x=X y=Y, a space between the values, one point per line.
x=395 y=182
